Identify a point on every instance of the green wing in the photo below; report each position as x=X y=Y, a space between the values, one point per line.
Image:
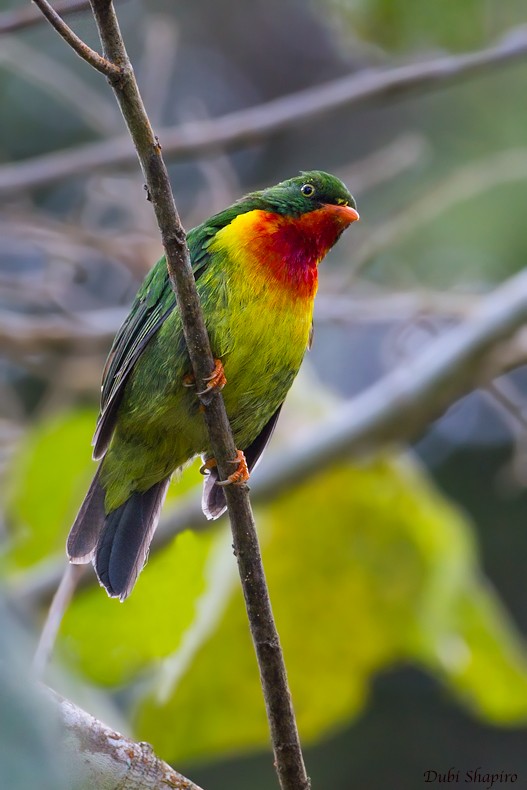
x=154 y=301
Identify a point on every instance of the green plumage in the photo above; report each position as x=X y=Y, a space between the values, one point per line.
x=254 y=284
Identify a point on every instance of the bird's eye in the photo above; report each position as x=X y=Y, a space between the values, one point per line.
x=308 y=190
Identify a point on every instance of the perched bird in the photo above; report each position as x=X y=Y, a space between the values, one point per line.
x=255 y=265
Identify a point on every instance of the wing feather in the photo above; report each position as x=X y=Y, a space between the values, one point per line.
x=153 y=303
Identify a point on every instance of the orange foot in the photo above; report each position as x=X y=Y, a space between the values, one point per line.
x=210 y=463
x=238 y=477
x=216 y=381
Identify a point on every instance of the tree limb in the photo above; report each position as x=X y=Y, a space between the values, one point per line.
x=96 y=756
x=244 y=127
x=60 y=603
x=284 y=735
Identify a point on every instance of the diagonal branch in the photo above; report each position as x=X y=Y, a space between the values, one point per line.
x=286 y=744
x=77 y=44
x=244 y=127
x=94 y=755
x=460 y=185
x=489 y=342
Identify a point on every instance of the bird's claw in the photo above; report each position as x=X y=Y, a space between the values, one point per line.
x=241 y=473
x=216 y=380
x=238 y=477
x=209 y=463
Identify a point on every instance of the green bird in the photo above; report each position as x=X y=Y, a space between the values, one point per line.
x=255 y=265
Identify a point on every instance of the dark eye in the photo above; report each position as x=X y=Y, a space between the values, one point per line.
x=308 y=190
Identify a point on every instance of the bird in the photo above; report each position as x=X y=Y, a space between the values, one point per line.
x=256 y=270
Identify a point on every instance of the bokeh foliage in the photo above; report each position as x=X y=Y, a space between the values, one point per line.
x=370 y=567
x=379 y=570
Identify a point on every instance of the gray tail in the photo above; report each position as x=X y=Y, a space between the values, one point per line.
x=116 y=543
x=123 y=544
x=213 y=501
x=88 y=525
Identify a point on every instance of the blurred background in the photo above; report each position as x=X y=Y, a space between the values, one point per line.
x=398 y=581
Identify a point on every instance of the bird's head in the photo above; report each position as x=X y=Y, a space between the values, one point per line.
x=286 y=230
x=309 y=192
x=301 y=219
x=305 y=215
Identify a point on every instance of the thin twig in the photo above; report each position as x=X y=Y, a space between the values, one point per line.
x=245 y=127
x=386 y=163
x=60 y=603
x=382 y=307
x=77 y=44
x=288 y=755
x=462 y=184
x=22 y=18
x=92 y=330
x=64 y=85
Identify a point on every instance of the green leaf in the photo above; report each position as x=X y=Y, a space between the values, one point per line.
x=48 y=479
x=411 y=24
x=178 y=596
x=367 y=566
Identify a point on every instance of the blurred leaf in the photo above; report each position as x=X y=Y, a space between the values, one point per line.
x=48 y=480
x=366 y=566
x=401 y=24
x=177 y=591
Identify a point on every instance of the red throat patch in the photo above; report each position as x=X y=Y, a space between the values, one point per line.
x=291 y=248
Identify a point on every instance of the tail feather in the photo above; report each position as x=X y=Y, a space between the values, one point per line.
x=88 y=525
x=213 y=502
x=123 y=544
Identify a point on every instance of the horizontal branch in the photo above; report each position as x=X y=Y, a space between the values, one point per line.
x=459 y=185
x=22 y=18
x=244 y=127
x=91 y=330
x=96 y=756
x=395 y=409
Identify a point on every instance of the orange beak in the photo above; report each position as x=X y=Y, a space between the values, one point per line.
x=346 y=214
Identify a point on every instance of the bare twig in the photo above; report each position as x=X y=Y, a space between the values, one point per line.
x=60 y=603
x=157 y=64
x=377 y=307
x=64 y=85
x=247 y=126
x=83 y=50
x=94 y=755
x=462 y=184
x=395 y=409
x=288 y=755
x=21 y=18
x=401 y=154
x=93 y=330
